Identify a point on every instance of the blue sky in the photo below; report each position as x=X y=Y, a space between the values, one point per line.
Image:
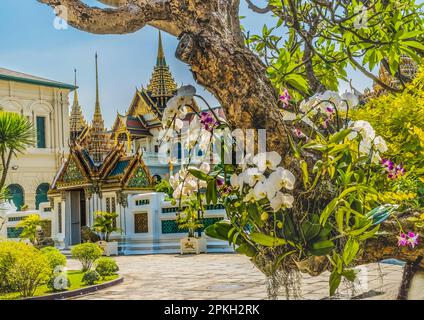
x=32 y=45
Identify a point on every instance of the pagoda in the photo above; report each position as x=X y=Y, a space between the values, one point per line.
x=142 y=121
x=408 y=69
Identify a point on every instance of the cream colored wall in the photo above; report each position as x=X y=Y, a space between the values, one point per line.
x=38 y=166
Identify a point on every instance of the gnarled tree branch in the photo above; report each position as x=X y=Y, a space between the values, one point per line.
x=128 y=17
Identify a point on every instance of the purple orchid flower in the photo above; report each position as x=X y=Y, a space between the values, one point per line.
x=298 y=133
x=402 y=240
x=285 y=98
x=207 y=121
x=413 y=239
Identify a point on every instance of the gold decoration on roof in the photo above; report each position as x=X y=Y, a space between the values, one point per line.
x=77 y=122
x=99 y=140
x=162 y=84
x=408 y=69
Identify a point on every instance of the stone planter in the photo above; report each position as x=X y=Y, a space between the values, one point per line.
x=109 y=248
x=193 y=245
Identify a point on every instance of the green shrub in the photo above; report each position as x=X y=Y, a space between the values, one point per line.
x=90 y=277
x=106 y=267
x=54 y=257
x=86 y=253
x=24 y=268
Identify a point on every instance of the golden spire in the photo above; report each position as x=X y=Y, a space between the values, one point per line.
x=76 y=119
x=99 y=139
x=160 y=61
x=97 y=110
x=162 y=85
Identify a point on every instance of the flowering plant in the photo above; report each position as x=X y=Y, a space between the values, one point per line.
x=307 y=215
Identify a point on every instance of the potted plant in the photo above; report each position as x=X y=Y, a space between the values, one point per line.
x=104 y=224
x=189 y=219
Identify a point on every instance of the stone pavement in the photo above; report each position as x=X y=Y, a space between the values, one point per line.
x=227 y=277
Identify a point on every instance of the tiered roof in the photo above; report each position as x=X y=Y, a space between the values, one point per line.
x=77 y=122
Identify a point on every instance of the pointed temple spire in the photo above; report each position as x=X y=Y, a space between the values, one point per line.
x=160 y=61
x=76 y=119
x=162 y=85
x=97 y=110
x=99 y=139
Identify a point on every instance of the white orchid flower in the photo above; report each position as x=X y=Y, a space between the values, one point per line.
x=250 y=196
x=267 y=160
x=380 y=144
x=260 y=190
x=179 y=124
x=282 y=178
x=252 y=176
x=205 y=167
x=364 y=128
x=365 y=146
x=281 y=201
x=351 y=99
x=236 y=180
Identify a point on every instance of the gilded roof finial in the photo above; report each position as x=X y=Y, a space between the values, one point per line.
x=76 y=120
x=97 y=110
x=160 y=61
x=99 y=140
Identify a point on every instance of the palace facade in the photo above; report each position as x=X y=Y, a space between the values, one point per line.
x=46 y=104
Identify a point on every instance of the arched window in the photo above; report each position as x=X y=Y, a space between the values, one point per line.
x=41 y=194
x=199 y=153
x=16 y=193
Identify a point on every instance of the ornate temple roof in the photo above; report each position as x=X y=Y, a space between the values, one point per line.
x=162 y=85
x=117 y=171
x=408 y=70
x=77 y=122
x=98 y=142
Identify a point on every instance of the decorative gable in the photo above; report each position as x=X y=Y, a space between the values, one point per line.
x=139 y=179
x=72 y=174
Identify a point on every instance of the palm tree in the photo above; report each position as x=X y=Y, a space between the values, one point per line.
x=16 y=135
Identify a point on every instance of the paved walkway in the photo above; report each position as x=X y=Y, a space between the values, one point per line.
x=224 y=276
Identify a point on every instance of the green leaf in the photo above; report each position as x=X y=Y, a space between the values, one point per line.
x=246 y=249
x=211 y=192
x=350 y=251
x=335 y=279
x=304 y=168
x=252 y=210
x=322 y=248
x=339 y=136
x=349 y=274
x=414 y=44
x=311 y=229
x=199 y=174
x=267 y=241
x=219 y=230
x=328 y=210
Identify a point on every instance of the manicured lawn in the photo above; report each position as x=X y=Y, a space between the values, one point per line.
x=75 y=277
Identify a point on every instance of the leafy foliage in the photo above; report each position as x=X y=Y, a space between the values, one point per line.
x=106 y=267
x=16 y=135
x=54 y=257
x=323 y=38
x=86 y=253
x=105 y=224
x=91 y=277
x=22 y=268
